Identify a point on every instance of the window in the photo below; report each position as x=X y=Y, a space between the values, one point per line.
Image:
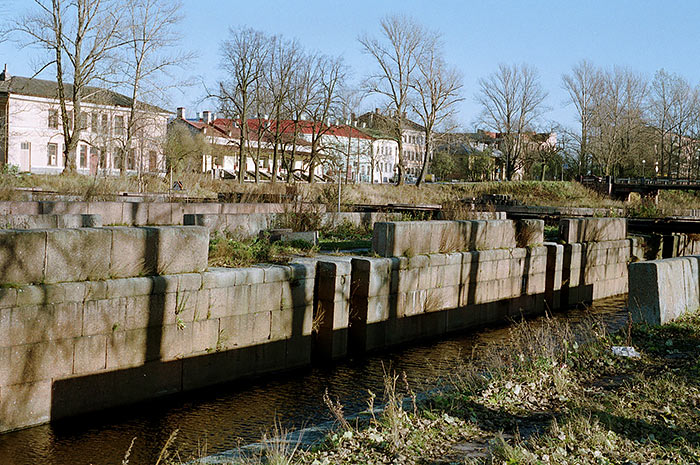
x=104 y=127
x=82 y=163
x=52 y=152
x=53 y=119
x=117 y=159
x=130 y=161
x=93 y=122
x=25 y=145
x=153 y=161
x=119 y=125
x=103 y=158
x=84 y=121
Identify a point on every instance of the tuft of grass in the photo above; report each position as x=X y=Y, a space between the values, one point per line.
x=227 y=251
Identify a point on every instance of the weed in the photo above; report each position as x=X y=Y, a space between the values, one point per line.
x=225 y=250
x=302 y=213
x=166 y=455
x=433 y=301
x=336 y=409
x=125 y=460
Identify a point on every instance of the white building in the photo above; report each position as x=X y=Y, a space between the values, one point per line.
x=31 y=133
x=412 y=135
x=385 y=155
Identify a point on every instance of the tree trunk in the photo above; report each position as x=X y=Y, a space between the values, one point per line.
x=426 y=159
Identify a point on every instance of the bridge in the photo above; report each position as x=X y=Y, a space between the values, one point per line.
x=620 y=188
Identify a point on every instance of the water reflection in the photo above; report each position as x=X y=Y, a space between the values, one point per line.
x=219 y=419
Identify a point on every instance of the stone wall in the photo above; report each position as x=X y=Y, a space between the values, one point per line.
x=408 y=238
x=471 y=215
x=86 y=254
x=76 y=347
x=135 y=213
x=576 y=230
x=247 y=225
x=99 y=317
x=595 y=270
x=662 y=290
x=49 y=221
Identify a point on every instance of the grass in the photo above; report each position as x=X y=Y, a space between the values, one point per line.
x=553 y=395
x=350 y=244
x=553 y=398
x=345 y=236
x=226 y=251
x=546 y=193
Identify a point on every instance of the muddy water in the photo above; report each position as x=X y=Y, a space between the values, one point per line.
x=223 y=418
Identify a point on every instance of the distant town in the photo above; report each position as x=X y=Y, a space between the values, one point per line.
x=284 y=114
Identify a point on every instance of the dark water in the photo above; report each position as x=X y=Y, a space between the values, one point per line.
x=220 y=419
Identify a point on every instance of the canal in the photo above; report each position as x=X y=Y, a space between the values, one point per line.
x=228 y=416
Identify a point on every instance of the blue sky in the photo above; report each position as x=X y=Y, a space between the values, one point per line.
x=478 y=35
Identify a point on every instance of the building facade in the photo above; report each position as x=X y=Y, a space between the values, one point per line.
x=412 y=140
x=31 y=131
x=343 y=151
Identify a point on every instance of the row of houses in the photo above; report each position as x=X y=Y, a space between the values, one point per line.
x=31 y=138
x=361 y=149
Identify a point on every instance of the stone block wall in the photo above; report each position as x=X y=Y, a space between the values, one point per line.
x=332 y=307
x=243 y=225
x=473 y=215
x=596 y=270
x=399 y=299
x=136 y=213
x=662 y=290
x=63 y=255
x=98 y=317
x=69 y=348
x=248 y=225
x=408 y=238
x=577 y=230
x=49 y=221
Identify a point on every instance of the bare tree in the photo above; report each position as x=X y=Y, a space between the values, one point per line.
x=437 y=89
x=618 y=119
x=283 y=59
x=244 y=56
x=674 y=107
x=397 y=54
x=324 y=105
x=80 y=36
x=511 y=99
x=304 y=85
x=150 y=37
x=583 y=86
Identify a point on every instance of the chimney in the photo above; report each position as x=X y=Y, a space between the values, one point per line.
x=206 y=117
x=376 y=110
x=181 y=113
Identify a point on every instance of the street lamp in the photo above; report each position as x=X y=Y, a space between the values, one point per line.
x=644 y=164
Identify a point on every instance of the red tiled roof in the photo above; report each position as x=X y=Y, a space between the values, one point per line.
x=287 y=126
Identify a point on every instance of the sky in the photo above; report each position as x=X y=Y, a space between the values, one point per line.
x=550 y=35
